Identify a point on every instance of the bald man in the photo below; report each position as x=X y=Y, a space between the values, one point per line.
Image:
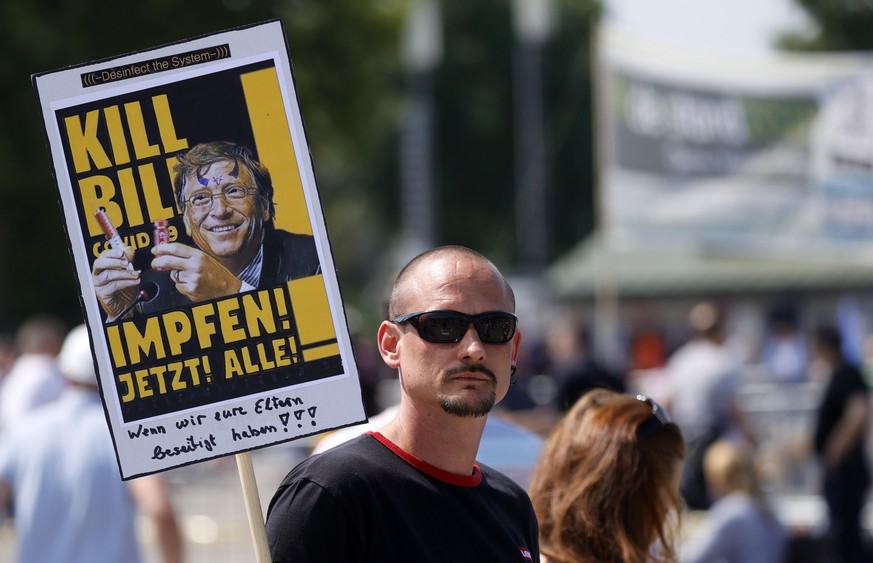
x=413 y=490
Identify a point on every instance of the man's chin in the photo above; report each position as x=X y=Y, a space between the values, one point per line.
x=221 y=250
x=467 y=406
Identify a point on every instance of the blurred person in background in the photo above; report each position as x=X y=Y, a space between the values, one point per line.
x=839 y=440
x=60 y=482
x=740 y=527
x=785 y=351
x=34 y=379
x=607 y=482
x=704 y=377
x=648 y=349
x=571 y=364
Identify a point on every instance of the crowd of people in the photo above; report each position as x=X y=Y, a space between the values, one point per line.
x=621 y=477
x=59 y=481
x=699 y=383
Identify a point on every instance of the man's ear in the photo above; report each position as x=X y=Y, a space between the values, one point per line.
x=388 y=339
x=516 y=346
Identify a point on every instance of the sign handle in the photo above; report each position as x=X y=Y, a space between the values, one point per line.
x=253 y=507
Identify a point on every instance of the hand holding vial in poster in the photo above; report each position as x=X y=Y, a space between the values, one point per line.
x=115 y=281
x=226 y=198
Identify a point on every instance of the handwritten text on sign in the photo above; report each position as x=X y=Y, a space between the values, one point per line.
x=286 y=410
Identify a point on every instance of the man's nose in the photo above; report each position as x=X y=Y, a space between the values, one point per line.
x=219 y=205
x=471 y=345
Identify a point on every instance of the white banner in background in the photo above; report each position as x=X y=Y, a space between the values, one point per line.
x=735 y=155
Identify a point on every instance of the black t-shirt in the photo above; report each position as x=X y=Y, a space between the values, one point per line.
x=845 y=382
x=368 y=500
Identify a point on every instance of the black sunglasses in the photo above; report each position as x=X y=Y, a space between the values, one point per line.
x=493 y=327
x=658 y=419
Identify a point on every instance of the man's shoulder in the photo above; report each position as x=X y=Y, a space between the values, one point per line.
x=33 y=429
x=347 y=461
x=288 y=256
x=284 y=239
x=32 y=370
x=846 y=380
x=503 y=486
x=357 y=447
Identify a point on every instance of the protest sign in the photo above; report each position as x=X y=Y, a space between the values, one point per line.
x=200 y=248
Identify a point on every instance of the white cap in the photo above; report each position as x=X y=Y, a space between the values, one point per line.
x=75 y=359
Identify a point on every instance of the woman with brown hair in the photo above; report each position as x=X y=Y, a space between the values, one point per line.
x=607 y=480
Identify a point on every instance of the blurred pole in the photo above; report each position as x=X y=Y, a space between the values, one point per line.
x=607 y=343
x=421 y=52
x=532 y=21
x=608 y=347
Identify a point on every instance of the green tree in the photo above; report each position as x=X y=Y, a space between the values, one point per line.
x=474 y=114
x=350 y=84
x=345 y=58
x=840 y=25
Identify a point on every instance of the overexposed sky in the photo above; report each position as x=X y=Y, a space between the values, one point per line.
x=743 y=27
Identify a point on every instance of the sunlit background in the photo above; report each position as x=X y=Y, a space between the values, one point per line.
x=527 y=130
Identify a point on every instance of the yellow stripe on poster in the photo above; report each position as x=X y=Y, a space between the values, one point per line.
x=311 y=310
x=327 y=351
x=275 y=148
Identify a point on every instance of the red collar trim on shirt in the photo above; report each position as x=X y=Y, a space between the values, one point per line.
x=423 y=466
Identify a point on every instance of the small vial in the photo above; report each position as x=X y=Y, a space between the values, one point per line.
x=109 y=230
x=111 y=233
x=162 y=232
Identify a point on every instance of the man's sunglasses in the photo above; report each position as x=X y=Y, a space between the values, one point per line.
x=493 y=327
x=656 y=420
